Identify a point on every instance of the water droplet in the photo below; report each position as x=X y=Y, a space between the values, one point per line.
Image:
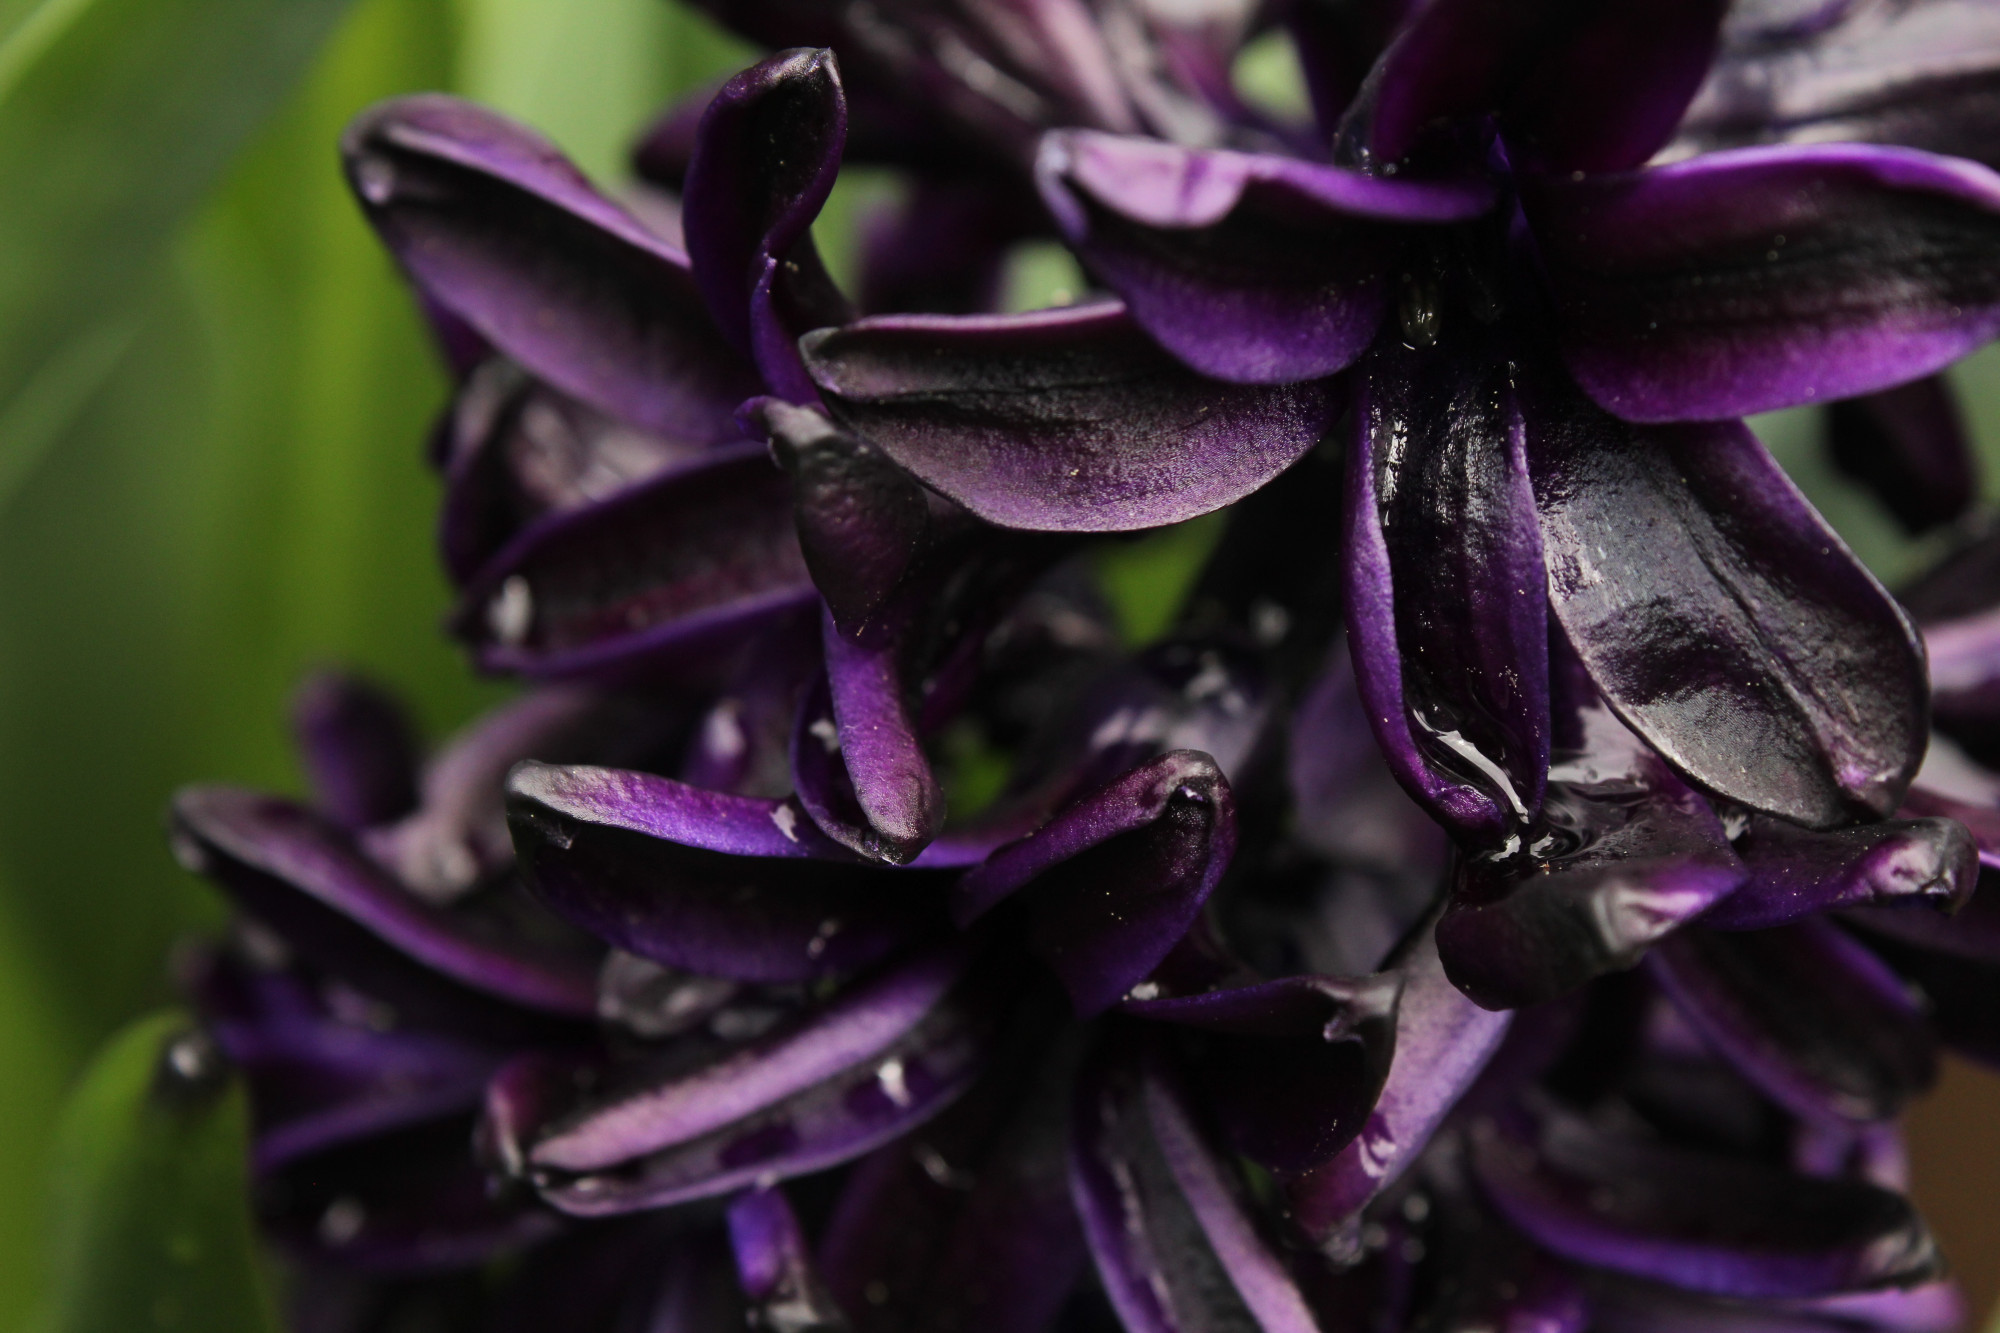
x=342 y=1221
x=376 y=178
x=511 y=613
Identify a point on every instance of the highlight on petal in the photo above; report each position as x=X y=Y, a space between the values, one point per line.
x=665 y=576
x=764 y=160
x=1253 y=268
x=1443 y=1042
x=881 y=753
x=1113 y=881
x=1699 y=1221
x=1447 y=613
x=1062 y=421
x=1722 y=619
x=871 y=1065
x=499 y=229
x=726 y=886
x=1619 y=862
x=305 y=879
x=1805 y=1013
x=1797 y=872
x=1920 y=75
x=1760 y=278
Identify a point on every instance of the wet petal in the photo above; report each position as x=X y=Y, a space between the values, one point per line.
x=1295 y=1065
x=1761 y=278
x=1173 y=1238
x=1447 y=613
x=1113 y=881
x=1807 y=1014
x=871 y=1065
x=1980 y=822
x=1253 y=268
x=1443 y=1041
x=1617 y=865
x=1795 y=872
x=304 y=879
x=728 y=886
x=499 y=229
x=1909 y=446
x=667 y=574
x=1699 y=1221
x=358 y=749
x=764 y=161
x=1067 y=420
x=1722 y=619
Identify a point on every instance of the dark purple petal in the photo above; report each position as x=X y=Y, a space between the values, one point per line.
x=413 y=1201
x=1453 y=60
x=495 y=226
x=1923 y=75
x=359 y=752
x=305 y=879
x=967 y=1224
x=1611 y=86
x=1346 y=802
x=1760 y=278
x=1703 y=1222
x=764 y=161
x=1954 y=960
x=1253 y=268
x=775 y=1268
x=1296 y=1064
x=1447 y=613
x=861 y=519
x=1066 y=420
x=729 y=886
x=664 y=575
x=1169 y=1227
x=1720 y=616
x=1818 y=1023
x=1113 y=881
x=1909 y=446
x=1443 y=1041
x=519 y=450
x=319 y=1073
x=944 y=248
x=1622 y=1305
x=1796 y=872
x=1964 y=656
x=872 y=1065
x=1621 y=860
x=662 y=154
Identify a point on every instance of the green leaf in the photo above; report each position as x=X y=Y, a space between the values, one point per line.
x=152 y=1229
x=116 y=119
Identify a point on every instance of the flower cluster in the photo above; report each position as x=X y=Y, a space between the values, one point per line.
x=1505 y=898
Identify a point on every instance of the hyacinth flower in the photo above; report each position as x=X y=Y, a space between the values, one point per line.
x=1180 y=1028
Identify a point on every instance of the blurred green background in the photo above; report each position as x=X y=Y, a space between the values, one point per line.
x=213 y=397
